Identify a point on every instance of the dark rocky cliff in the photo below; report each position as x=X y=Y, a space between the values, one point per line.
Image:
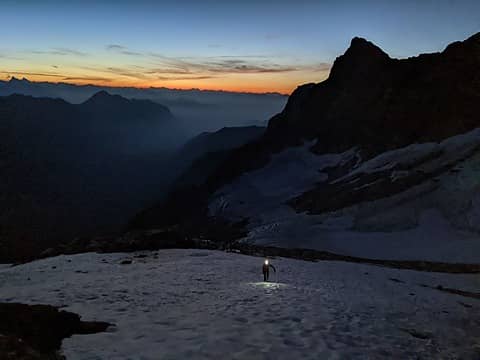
x=373 y=102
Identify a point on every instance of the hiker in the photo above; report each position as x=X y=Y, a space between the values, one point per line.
x=266 y=269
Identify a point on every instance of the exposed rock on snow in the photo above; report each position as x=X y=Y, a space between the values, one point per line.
x=414 y=203
x=36 y=331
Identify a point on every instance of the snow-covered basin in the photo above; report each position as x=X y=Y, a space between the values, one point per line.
x=212 y=305
x=435 y=221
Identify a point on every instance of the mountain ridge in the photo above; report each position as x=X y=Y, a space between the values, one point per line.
x=376 y=108
x=297 y=185
x=66 y=168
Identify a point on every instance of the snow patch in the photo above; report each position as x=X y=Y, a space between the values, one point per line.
x=437 y=220
x=180 y=306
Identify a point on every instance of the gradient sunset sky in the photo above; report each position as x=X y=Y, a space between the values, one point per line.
x=248 y=45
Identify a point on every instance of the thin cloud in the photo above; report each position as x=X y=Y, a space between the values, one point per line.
x=115 y=47
x=207 y=67
x=127 y=72
x=221 y=64
x=177 y=78
x=202 y=66
x=67 y=51
x=31 y=73
x=152 y=66
x=239 y=66
x=5 y=56
x=59 y=51
x=120 y=49
x=86 y=78
x=321 y=67
x=167 y=70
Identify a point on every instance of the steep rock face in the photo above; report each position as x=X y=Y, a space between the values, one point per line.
x=374 y=102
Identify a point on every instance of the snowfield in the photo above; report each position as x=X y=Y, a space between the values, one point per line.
x=197 y=304
x=436 y=220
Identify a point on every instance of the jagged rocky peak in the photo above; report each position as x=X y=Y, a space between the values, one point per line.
x=370 y=98
x=23 y=80
x=360 y=47
x=361 y=61
x=375 y=103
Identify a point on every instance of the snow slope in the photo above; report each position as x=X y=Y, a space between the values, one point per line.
x=211 y=305
x=437 y=220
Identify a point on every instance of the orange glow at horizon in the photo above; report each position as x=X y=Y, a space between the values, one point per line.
x=245 y=83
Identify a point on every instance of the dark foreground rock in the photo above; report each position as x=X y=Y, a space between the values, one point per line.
x=12 y=348
x=36 y=331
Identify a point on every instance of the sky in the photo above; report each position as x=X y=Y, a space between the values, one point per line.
x=254 y=46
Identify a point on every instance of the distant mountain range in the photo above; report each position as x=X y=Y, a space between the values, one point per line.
x=196 y=110
x=70 y=170
x=79 y=93
x=379 y=160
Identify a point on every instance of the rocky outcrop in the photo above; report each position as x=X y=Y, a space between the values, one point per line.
x=32 y=332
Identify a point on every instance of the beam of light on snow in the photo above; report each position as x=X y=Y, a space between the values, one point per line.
x=268 y=285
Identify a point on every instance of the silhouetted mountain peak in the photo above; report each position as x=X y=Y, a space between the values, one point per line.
x=373 y=102
x=103 y=101
x=362 y=51
x=361 y=60
x=101 y=94
x=362 y=46
x=23 y=80
x=104 y=98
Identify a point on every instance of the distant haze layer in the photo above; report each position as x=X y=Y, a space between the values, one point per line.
x=195 y=110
